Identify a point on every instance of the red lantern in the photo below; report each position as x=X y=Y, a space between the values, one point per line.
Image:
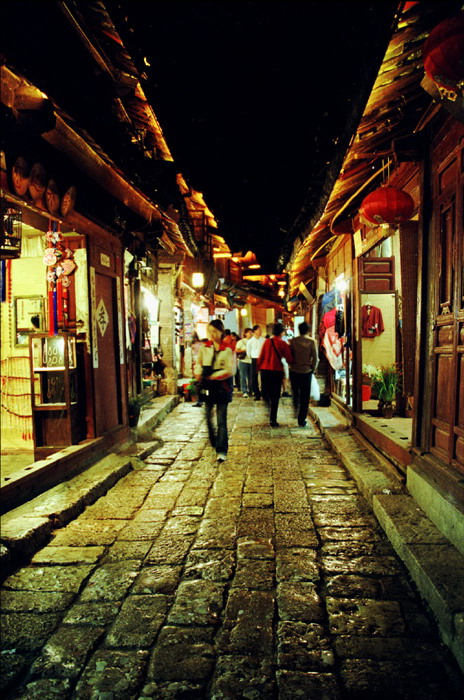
x=387 y=205
x=444 y=56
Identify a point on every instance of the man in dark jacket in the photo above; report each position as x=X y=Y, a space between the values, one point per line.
x=305 y=360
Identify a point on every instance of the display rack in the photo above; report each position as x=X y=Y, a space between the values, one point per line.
x=54 y=392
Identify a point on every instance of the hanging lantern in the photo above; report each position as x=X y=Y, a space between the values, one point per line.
x=387 y=205
x=444 y=56
x=11 y=231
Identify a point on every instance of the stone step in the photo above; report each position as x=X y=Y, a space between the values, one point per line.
x=434 y=564
x=371 y=471
x=436 y=567
x=27 y=527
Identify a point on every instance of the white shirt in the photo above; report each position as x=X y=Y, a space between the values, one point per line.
x=242 y=345
x=254 y=346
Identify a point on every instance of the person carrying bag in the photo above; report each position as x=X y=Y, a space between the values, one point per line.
x=214 y=370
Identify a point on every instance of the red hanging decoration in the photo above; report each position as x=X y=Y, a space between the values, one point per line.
x=387 y=205
x=444 y=56
x=60 y=263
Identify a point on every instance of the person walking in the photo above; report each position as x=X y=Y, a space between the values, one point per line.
x=305 y=361
x=235 y=339
x=272 y=371
x=254 y=347
x=244 y=363
x=214 y=368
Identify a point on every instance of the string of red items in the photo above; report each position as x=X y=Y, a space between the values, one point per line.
x=61 y=265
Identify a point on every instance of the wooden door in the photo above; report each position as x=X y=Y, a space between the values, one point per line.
x=447 y=415
x=106 y=374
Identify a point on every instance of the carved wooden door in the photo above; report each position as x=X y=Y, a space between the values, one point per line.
x=447 y=416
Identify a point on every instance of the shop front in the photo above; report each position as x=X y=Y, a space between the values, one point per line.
x=62 y=351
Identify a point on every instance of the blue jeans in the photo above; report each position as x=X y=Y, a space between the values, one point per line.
x=219 y=439
x=245 y=376
x=255 y=378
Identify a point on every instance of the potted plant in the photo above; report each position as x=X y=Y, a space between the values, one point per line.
x=386 y=384
x=191 y=390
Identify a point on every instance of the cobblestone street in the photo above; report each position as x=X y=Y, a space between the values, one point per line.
x=263 y=577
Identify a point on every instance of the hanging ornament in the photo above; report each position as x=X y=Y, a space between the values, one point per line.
x=387 y=205
x=60 y=262
x=443 y=56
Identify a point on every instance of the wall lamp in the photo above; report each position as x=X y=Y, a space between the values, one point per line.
x=198 y=280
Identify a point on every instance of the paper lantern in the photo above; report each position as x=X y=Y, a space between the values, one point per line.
x=387 y=205
x=444 y=56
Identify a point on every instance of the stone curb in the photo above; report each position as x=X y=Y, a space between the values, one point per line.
x=372 y=473
x=28 y=527
x=152 y=415
x=435 y=566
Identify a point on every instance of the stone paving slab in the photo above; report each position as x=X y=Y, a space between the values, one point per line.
x=263 y=577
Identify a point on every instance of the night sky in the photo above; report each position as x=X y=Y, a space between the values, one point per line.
x=252 y=96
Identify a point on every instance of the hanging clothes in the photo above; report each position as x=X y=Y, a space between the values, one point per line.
x=340 y=323
x=327 y=321
x=329 y=301
x=371 y=321
x=333 y=348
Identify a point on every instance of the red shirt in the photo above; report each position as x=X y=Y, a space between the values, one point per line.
x=270 y=357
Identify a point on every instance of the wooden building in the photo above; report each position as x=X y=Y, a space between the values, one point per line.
x=409 y=266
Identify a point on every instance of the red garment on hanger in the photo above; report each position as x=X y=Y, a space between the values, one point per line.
x=371 y=321
x=327 y=321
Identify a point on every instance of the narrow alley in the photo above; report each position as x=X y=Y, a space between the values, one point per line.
x=262 y=577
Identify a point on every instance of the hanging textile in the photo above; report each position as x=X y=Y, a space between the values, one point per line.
x=371 y=321
x=333 y=348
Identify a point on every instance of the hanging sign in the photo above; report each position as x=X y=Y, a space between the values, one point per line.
x=102 y=317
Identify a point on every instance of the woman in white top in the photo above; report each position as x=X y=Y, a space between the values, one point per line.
x=214 y=368
x=244 y=363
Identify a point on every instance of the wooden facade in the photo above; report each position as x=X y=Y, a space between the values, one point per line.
x=441 y=428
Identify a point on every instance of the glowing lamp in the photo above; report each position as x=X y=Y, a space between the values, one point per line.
x=243 y=312
x=387 y=205
x=198 y=280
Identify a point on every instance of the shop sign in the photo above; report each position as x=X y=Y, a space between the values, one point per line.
x=105 y=260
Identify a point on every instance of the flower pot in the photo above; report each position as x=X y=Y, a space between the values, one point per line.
x=366 y=392
x=387 y=409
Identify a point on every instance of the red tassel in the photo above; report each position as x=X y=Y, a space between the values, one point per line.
x=51 y=324
x=8 y=281
x=65 y=306
x=59 y=302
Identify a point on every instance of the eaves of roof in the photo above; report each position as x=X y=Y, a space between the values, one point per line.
x=99 y=34
x=394 y=108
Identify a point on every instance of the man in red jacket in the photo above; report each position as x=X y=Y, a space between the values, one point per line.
x=272 y=371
